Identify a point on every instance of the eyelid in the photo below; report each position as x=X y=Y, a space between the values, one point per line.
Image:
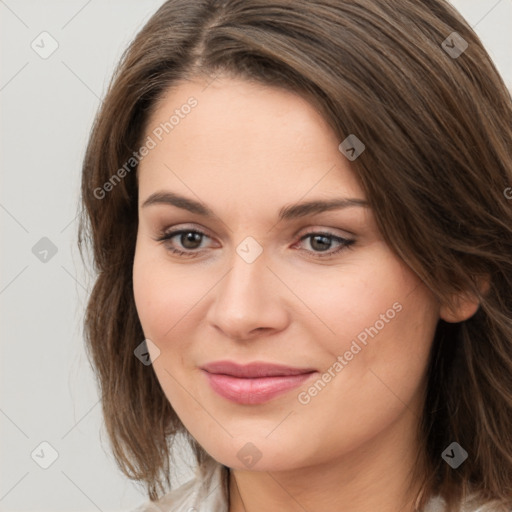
x=175 y=229
x=316 y=230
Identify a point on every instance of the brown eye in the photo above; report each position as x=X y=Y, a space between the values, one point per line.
x=189 y=239
x=321 y=243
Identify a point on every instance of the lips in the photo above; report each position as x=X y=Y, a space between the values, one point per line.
x=254 y=383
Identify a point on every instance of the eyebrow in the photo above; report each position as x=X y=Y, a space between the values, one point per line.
x=285 y=213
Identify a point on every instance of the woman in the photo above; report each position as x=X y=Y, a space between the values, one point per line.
x=300 y=220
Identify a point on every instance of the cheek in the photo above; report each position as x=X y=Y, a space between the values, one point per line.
x=165 y=298
x=148 y=295
x=382 y=322
x=383 y=359
x=363 y=299
x=163 y=293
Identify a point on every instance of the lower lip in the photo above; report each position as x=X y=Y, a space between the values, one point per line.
x=254 y=391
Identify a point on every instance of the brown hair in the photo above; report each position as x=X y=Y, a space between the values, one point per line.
x=438 y=136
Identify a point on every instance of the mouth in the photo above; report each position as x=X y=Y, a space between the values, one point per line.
x=254 y=383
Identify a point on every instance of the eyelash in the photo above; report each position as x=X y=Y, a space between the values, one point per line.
x=167 y=236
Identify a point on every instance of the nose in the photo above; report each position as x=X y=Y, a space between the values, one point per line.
x=249 y=300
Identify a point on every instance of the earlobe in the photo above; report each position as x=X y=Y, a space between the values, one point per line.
x=464 y=305
x=460 y=309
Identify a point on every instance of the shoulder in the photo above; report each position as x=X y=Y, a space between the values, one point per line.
x=205 y=492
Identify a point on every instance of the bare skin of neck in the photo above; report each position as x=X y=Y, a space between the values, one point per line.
x=375 y=476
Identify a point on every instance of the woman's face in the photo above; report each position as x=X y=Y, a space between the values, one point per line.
x=270 y=281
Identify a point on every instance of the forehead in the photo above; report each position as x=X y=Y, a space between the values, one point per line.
x=239 y=137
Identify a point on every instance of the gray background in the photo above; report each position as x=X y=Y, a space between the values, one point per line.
x=47 y=392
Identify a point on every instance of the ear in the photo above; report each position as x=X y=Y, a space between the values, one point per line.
x=464 y=305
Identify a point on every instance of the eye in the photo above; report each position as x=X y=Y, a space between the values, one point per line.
x=190 y=240
x=323 y=241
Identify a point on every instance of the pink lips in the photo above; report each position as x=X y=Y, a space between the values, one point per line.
x=254 y=383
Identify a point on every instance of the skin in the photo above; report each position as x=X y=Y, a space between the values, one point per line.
x=245 y=151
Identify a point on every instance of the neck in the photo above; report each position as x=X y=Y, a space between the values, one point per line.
x=375 y=476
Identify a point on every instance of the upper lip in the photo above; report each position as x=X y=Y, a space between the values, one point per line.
x=254 y=369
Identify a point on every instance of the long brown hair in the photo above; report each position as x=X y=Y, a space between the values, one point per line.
x=437 y=172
